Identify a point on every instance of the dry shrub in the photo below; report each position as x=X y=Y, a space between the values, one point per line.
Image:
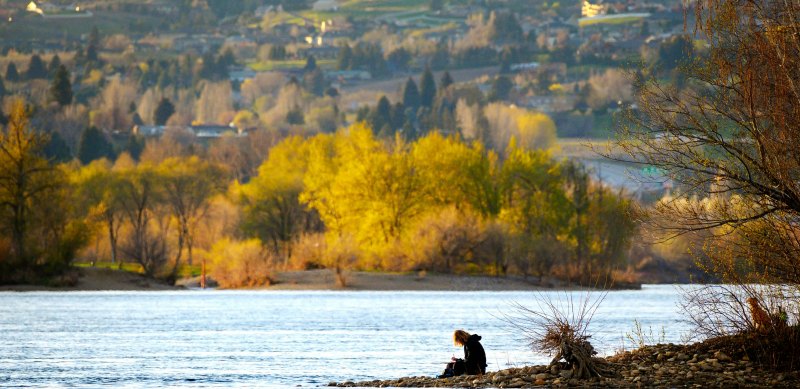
x=241 y=263
x=443 y=241
x=337 y=253
x=559 y=326
x=534 y=255
x=340 y=255
x=723 y=312
x=307 y=252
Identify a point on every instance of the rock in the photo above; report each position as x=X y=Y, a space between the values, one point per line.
x=682 y=357
x=565 y=374
x=722 y=357
x=554 y=370
x=542 y=376
x=539 y=382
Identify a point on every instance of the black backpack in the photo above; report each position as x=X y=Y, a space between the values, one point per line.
x=455 y=368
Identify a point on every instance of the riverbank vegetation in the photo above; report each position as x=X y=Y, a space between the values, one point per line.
x=175 y=137
x=346 y=200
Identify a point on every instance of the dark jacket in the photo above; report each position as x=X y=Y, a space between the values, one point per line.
x=474 y=356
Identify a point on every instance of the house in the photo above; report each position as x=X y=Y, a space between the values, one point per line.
x=201 y=131
x=213 y=131
x=241 y=74
x=200 y=43
x=148 y=130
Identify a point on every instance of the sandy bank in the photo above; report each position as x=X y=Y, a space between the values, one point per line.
x=100 y=279
x=325 y=280
x=109 y=279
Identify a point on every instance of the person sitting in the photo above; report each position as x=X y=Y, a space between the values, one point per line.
x=474 y=355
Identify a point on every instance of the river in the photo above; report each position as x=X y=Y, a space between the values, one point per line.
x=280 y=339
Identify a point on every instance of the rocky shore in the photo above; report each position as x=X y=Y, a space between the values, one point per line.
x=665 y=365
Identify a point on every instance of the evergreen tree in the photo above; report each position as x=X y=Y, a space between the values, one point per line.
x=398 y=59
x=277 y=53
x=382 y=115
x=311 y=64
x=332 y=92
x=295 y=116
x=61 y=88
x=36 y=68
x=91 y=54
x=314 y=82
x=12 y=74
x=428 y=89
x=411 y=98
x=52 y=68
x=137 y=119
x=164 y=110
x=398 y=115
x=94 y=145
x=57 y=149
x=94 y=36
x=227 y=58
x=501 y=87
x=344 y=60
x=135 y=146
x=2 y=89
x=505 y=28
x=446 y=81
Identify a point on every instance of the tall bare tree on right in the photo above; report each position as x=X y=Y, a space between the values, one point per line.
x=731 y=140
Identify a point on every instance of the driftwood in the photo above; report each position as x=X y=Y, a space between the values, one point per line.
x=579 y=355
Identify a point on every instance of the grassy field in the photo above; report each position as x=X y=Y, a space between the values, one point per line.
x=610 y=19
x=265 y=66
x=371 y=9
x=34 y=27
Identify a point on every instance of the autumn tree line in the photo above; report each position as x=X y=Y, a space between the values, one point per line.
x=343 y=200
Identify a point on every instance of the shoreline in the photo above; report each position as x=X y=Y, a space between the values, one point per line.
x=99 y=279
x=710 y=364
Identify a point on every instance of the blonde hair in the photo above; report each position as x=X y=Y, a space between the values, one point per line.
x=460 y=337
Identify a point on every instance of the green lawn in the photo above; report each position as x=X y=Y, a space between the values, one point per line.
x=370 y=8
x=610 y=19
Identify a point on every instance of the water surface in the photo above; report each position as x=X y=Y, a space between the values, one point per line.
x=279 y=339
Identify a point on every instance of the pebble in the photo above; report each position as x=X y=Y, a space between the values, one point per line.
x=652 y=366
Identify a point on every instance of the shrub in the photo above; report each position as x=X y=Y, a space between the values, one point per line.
x=559 y=326
x=337 y=253
x=241 y=263
x=340 y=255
x=444 y=241
x=308 y=252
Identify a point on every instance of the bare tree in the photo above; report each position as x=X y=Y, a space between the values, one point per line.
x=731 y=141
